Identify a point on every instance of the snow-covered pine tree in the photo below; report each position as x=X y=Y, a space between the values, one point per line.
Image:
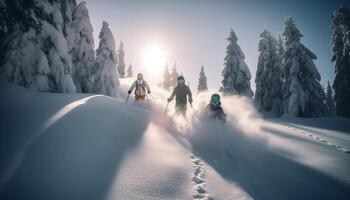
x=303 y=95
x=202 y=84
x=173 y=76
x=105 y=68
x=166 y=83
x=329 y=99
x=82 y=49
x=280 y=53
x=280 y=47
x=34 y=48
x=236 y=74
x=341 y=58
x=268 y=76
x=67 y=9
x=121 y=65
x=324 y=93
x=129 y=72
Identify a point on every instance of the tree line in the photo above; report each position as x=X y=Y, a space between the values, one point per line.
x=287 y=79
x=48 y=46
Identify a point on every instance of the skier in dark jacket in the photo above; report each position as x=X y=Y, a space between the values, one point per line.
x=181 y=91
x=214 y=109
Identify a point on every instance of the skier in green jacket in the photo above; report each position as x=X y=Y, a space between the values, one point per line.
x=181 y=91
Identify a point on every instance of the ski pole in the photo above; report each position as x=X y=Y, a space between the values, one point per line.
x=147 y=99
x=127 y=98
x=166 y=108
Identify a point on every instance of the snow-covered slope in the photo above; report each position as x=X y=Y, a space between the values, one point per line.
x=56 y=146
x=75 y=146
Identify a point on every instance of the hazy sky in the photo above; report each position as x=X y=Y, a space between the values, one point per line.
x=193 y=32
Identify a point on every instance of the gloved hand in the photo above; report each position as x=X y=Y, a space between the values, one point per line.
x=149 y=91
x=190 y=100
x=129 y=92
x=169 y=99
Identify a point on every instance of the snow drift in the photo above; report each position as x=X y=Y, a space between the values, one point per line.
x=57 y=146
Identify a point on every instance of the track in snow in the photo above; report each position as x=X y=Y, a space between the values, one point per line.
x=199 y=179
x=319 y=139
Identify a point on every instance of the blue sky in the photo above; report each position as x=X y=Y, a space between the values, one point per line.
x=193 y=32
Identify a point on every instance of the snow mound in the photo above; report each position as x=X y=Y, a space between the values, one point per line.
x=57 y=146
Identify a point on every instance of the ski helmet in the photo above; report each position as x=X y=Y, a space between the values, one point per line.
x=180 y=80
x=215 y=99
x=139 y=76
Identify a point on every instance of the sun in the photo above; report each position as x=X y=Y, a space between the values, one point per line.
x=154 y=59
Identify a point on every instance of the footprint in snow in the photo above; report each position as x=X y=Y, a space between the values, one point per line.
x=199 y=179
x=322 y=140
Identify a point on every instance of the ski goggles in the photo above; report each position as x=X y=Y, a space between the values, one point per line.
x=181 y=81
x=215 y=100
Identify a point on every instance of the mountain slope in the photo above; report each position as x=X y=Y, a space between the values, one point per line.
x=75 y=146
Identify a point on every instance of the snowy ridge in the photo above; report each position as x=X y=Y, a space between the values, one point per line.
x=19 y=157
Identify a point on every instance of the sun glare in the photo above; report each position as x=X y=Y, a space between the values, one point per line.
x=154 y=59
